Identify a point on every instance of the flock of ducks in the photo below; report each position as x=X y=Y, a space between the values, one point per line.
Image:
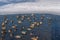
x=19 y=21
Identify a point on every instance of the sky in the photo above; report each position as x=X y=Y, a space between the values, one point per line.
x=29 y=6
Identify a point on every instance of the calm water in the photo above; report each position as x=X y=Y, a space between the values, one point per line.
x=44 y=32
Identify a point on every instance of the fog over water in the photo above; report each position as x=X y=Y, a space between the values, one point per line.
x=30 y=6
